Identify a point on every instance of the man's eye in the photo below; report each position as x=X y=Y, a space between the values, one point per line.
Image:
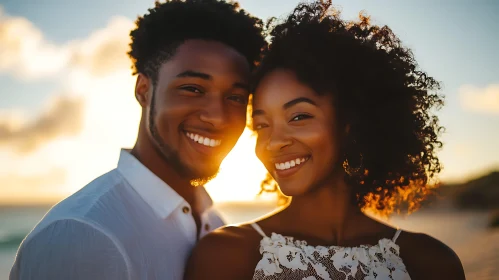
x=191 y=89
x=239 y=99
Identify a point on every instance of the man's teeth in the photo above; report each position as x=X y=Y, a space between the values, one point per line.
x=289 y=164
x=204 y=140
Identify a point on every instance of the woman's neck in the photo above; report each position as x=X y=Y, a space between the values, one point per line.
x=326 y=213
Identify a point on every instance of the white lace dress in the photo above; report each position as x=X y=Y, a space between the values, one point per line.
x=286 y=258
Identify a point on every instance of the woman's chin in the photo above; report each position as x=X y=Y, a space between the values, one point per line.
x=289 y=190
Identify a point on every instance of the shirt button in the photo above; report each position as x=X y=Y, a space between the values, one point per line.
x=186 y=209
x=207 y=227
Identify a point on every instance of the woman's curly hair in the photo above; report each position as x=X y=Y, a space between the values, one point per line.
x=378 y=90
x=159 y=32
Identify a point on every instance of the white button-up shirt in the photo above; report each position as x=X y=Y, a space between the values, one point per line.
x=126 y=224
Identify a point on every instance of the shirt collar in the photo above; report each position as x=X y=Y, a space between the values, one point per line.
x=154 y=191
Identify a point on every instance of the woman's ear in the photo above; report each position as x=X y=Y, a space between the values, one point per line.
x=347 y=129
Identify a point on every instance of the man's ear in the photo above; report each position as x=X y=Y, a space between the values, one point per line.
x=143 y=90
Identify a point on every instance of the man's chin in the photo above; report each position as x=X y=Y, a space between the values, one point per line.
x=202 y=177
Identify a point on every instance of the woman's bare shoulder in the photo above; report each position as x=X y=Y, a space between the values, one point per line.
x=429 y=258
x=226 y=253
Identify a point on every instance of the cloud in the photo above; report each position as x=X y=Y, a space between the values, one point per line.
x=63 y=117
x=482 y=100
x=41 y=187
x=53 y=178
x=77 y=134
x=105 y=50
x=26 y=54
x=90 y=64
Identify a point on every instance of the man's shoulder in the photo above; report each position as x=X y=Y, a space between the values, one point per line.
x=66 y=247
x=100 y=185
x=83 y=200
x=61 y=232
x=76 y=208
x=62 y=225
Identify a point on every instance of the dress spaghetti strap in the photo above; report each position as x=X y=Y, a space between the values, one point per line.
x=258 y=229
x=394 y=239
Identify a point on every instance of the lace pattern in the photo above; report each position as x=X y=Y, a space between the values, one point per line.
x=286 y=258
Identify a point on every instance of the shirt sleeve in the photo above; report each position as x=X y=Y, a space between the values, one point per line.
x=70 y=249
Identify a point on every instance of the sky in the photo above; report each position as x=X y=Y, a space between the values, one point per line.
x=67 y=104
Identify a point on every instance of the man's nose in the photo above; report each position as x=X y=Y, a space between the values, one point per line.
x=214 y=113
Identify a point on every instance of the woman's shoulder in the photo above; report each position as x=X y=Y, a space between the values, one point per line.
x=231 y=235
x=229 y=252
x=426 y=257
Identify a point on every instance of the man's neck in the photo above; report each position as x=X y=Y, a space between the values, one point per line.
x=151 y=159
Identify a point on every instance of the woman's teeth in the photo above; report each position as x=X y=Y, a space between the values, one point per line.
x=291 y=163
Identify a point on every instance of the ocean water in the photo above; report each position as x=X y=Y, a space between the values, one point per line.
x=15 y=223
x=465 y=232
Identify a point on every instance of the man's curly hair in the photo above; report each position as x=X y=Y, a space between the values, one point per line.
x=390 y=151
x=158 y=33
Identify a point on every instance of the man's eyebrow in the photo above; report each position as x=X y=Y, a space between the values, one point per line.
x=204 y=76
x=242 y=86
x=194 y=74
x=298 y=100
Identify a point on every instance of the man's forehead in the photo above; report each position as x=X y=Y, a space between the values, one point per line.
x=206 y=57
x=199 y=51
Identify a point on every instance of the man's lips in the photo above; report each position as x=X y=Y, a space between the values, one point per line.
x=204 y=145
x=203 y=139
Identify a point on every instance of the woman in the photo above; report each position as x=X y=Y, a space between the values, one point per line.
x=344 y=124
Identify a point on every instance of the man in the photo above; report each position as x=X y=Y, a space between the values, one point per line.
x=140 y=221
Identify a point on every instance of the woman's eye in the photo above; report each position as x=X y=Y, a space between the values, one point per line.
x=259 y=126
x=300 y=117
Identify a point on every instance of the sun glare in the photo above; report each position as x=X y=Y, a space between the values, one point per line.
x=240 y=173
